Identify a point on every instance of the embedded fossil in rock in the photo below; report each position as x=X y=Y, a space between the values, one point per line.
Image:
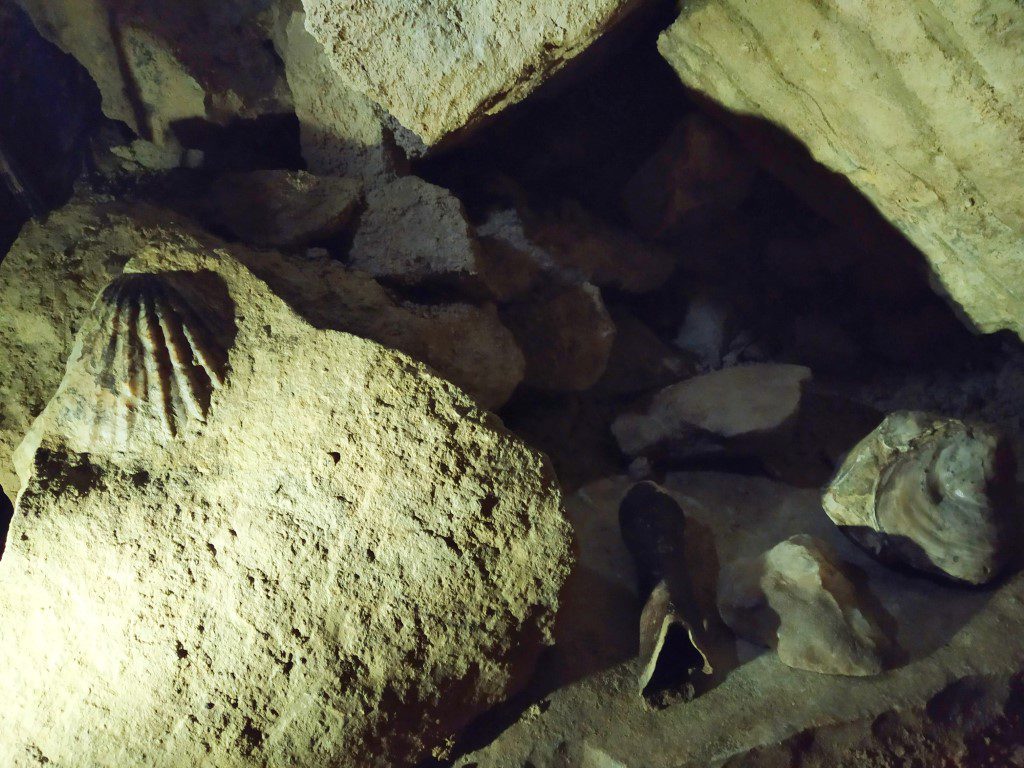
x=156 y=355
x=929 y=492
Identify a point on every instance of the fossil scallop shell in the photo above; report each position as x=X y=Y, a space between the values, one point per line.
x=154 y=360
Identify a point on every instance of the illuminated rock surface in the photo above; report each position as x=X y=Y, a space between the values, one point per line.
x=932 y=493
x=334 y=559
x=760 y=701
x=920 y=105
x=440 y=65
x=56 y=268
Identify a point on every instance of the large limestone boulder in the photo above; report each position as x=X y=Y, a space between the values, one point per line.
x=440 y=65
x=245 y=541
x=52 y=273
x=920 y=105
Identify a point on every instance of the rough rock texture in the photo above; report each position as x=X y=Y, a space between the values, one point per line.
x=795 y=598
x=566 y=336
x=303 y=548
x=56 y=268
x=340 y=129
x=156 y=63
x=48 y=281
x=932 y=493
x=285 y=209
x=414 y=232
x=729 y=403
x=742 y=517
x=920 y=105
x=466 y=344
x=440 y=65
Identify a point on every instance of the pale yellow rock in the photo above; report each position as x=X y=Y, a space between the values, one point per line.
x=54 y=270
x=48 y=281
x=437 y=66
x=334 y=559
x=734 y=402
x=797 y=599
x=947 y=634
x=919 y=104
x=157 y=63
x=341 y=130
x=281 y=208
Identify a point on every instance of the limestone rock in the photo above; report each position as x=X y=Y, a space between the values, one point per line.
x=639 y=361
x=566 y=336
x=466 y=344
x=415 y=233
x=945 y=634
x=920 y=106
x=157 y=64
x=285 y=209
x=341 y=131
x=52 y=273
x=585 y=248
x=336 y=559
x=695 y=176
x=735 y=402
x=933 y=493
x=438 y=66
x=48 y=281
x=796 y=598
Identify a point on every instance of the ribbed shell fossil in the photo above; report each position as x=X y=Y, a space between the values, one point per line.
x=153 y=360
x=929 y=492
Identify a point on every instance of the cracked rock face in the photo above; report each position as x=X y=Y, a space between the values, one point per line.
x=234 y=558
x=920 y=105
x=797 y=599
x=932 y=493
x=437 y=66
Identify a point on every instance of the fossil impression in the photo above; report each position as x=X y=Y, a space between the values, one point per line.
x=929 y=492
x=152 y=361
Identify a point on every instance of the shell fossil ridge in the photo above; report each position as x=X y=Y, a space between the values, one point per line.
x=158 y=352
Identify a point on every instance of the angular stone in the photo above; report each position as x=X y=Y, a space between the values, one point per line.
x=797 y=599
x=284 y=209
x=946 y=634
x=48 y=281
x=695 y=176
x=52 y=273
x=302 y=549
x=731 y=403
x=156 y=65
x=414 y=233
x=341 y=131
x=439 y=66
x=920 y=106
x=932 y=493
x=566 y=336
